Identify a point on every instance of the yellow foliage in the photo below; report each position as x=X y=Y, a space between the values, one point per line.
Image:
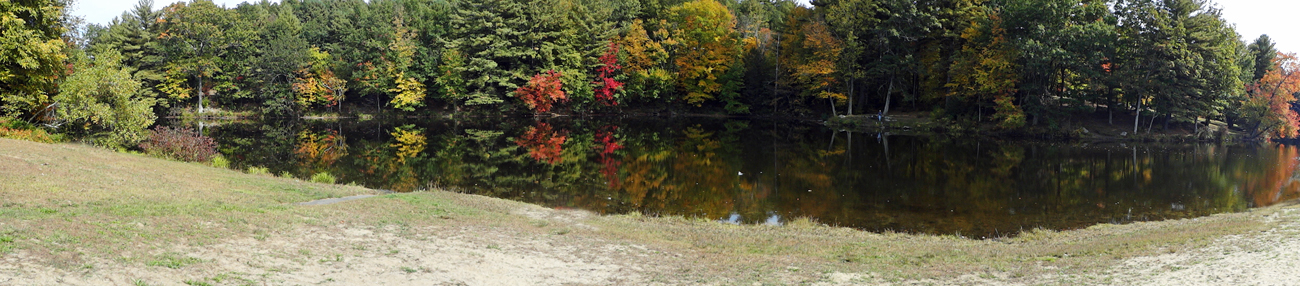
x=642 y=52
x=317 y=82
x=811 y=56
x=410 y=93
x=707 y=31
x=409 y=143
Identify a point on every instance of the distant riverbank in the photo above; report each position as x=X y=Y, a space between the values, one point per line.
x=79 y=215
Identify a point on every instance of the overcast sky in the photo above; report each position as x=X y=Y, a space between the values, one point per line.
x=1253 y=17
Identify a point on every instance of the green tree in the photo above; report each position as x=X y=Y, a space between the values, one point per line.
x=31 y=53
x=1263 y=51
x=134 y=34
x=1178 y=55
x=197 y=38
x=102 y=102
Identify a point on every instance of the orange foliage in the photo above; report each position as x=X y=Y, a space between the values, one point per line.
x=317 y=83
x=810 y=55
x=319 y=150
x=542 y=91
x=1275 y=91
x=543 y=143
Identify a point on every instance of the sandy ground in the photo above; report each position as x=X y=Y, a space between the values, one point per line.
x=1269 y=257
x=483 y=255
x=360 y=256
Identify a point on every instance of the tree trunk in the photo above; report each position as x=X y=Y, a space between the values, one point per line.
x=1168 y=117
x=833 y=111
x=1137 y=116
x=849 y=83
x=889 y=95
x=200 y=94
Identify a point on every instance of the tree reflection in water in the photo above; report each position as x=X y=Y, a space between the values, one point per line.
x=759 y=171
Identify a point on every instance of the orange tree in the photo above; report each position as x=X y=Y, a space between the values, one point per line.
x=1267 y=109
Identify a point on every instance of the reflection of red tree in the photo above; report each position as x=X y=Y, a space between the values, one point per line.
x=607 y=144
x=1278 y=183
x=543 y=143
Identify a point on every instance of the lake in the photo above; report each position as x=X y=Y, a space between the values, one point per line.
x=771 y=172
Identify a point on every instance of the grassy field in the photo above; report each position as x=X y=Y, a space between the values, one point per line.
x=96 y=215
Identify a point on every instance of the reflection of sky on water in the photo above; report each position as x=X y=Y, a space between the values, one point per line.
x=735 y=218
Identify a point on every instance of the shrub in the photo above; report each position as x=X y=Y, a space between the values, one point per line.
x=101 y=103
x=259 y=171
x=179 y=144
x=20 y=130
x=220 y=162
x=323 y=177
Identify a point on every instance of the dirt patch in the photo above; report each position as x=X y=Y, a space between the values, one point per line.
x=1267 y=257
x=344 y=255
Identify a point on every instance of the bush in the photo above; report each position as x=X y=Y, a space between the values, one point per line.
x=20 y=130
x=220 y=162
x=102 y=104
x=179 y=144
x=259 y=171
x=323 y=177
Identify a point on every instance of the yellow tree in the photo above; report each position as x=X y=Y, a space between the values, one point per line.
x=316 y=83
x=32 y=54
x=409 y=90
x=985 y=71
x=706 y=32
x=809 y=57
x=644 y=59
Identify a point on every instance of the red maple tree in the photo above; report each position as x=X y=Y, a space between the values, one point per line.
x=542 y=91
x=606 y=85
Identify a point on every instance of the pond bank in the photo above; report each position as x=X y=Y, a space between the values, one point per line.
x=78 y=215
x=1098 y=126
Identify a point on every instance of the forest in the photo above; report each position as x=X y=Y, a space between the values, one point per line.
x=1010 y=63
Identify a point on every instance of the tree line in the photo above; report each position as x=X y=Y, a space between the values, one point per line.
x=1013 y=63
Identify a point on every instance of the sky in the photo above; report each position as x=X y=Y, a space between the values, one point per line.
x=1252 y=17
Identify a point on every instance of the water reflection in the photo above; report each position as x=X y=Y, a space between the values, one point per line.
x=757 y=172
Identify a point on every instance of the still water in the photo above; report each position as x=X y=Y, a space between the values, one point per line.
x=754 y=172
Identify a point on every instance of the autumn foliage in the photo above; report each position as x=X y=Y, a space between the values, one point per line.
x=606 y=143
x=606 y=85
x=183 y=144
x=542 y=91
x=316 y=83
x=706 y=31
x=1269 y=100
x=543 y=143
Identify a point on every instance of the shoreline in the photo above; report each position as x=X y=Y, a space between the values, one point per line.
x=81 y=215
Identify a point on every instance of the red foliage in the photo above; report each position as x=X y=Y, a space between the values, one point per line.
x=543 y=143
x=606 y=85
x=542 y=91
x=608 y=144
